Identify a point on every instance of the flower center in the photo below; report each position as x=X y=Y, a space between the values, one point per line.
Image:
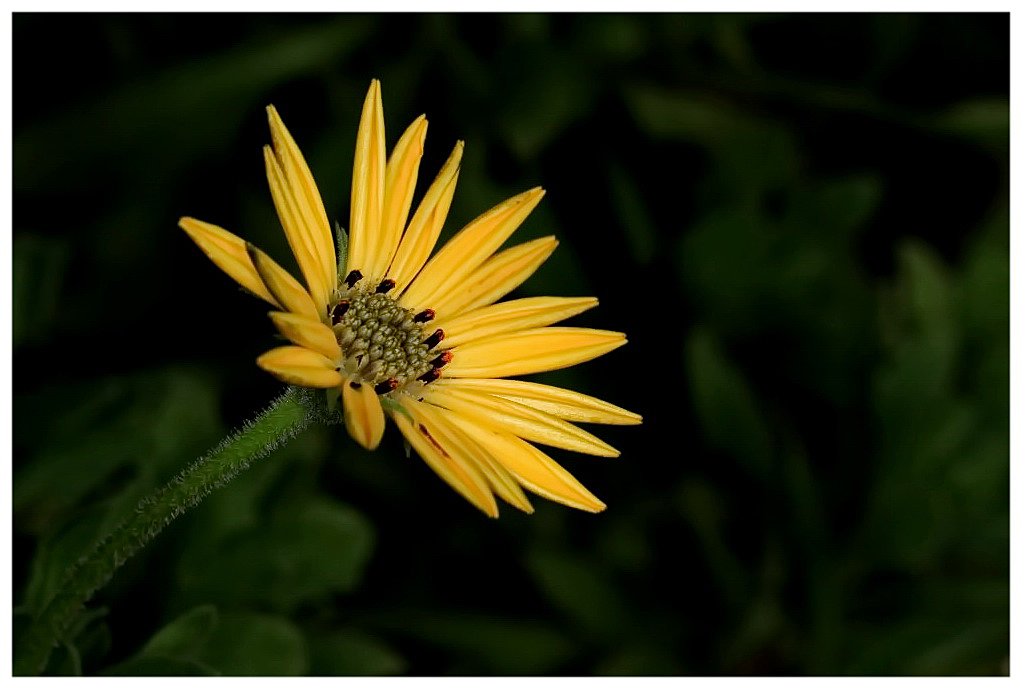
x=384 y=344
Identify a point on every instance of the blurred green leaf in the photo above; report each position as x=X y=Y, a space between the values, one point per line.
x=87 y=638
x=66 y=661
x=303 y=552
x=985 y=282
x=185 y=636
x=353 y=653
x=160 y=666
x=985 y=312
x=929 y=294
x=206 y=98
x=750 y=152
x=97 y=428
x=932 y=431
x=57 y=552
x=639 y=661
x=984 y=121
x=552 y=92
x=626 y=544
x=703 y=507
x=493 y=643
x=723 y=262
x=728 y=412
x=831 y=210
x=613 y=38
x=639 y=231
x=579 y=588
x=252 y=644
x=38 y=266
x=175 y=648
x=926 y=645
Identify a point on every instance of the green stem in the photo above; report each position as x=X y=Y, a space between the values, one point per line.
x=283 y=420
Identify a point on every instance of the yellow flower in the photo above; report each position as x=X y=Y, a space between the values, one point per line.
x=421 y=339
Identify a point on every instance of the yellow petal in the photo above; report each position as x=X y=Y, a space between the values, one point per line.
x=367 y=181
x=227 y=251
x=532 y=468
x=498 y=478
x=509 y=316
x=469 y=248
x=530 y=351
x=507 y=415
x=285 y=289
x=308 y=202
x=496 y=277
x=363 y=414
x=301 y=366
x=297 y=237
x=565 y=404
x=307 y=333
x=424 y=228
x=447 y=454
x=402 y=171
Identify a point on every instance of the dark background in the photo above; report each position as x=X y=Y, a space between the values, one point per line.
x=800 y=221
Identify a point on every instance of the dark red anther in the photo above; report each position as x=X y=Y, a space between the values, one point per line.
x=442 y=360
x=353 y=277
x=434 y=339
x=385 y=286
x=430 y=375
x=340 y=310
x=425 y=316
x=355 y=385
x=389 y=385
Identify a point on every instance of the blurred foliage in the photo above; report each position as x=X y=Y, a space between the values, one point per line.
x=799 y=220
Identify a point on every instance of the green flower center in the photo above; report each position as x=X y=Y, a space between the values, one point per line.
x=384 y=344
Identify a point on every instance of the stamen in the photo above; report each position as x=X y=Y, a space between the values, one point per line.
x=355 y=385
x=353 y=277
x=385 y=286
x=430 y=375
x=442 y=360
x=386 y=386
x=340 y=310
x=425 y=316
x=434 y=339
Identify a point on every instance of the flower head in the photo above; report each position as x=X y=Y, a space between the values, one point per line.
x=393 y=331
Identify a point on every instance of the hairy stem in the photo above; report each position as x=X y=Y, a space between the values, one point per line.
x=283 y=420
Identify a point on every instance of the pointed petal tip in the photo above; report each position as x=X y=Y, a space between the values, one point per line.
x=192 y=225
x=299 y=366
x=276 y=124
x=591 y=504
